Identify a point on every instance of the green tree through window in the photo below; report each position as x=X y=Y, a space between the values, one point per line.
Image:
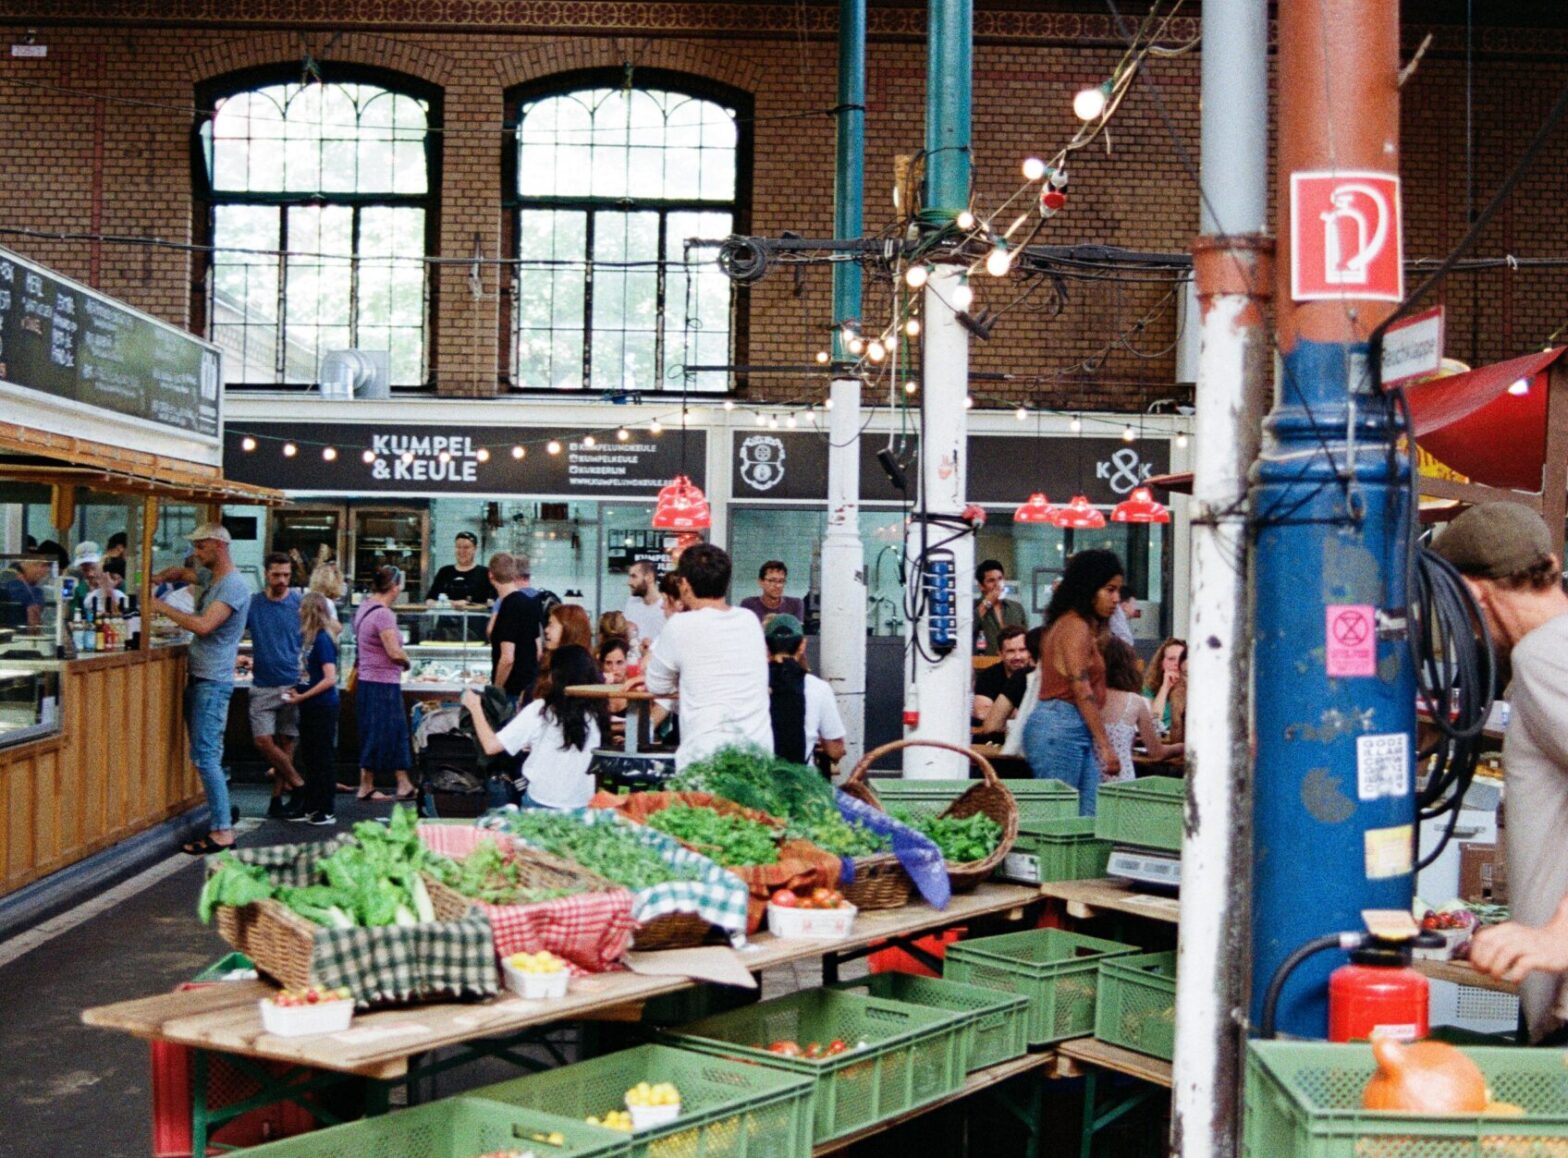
x=611 y=183
x=319 y=212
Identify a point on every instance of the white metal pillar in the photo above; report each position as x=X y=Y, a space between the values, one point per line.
x=843 y=639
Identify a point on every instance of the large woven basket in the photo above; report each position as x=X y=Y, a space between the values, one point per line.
x=671 y=931
x=988 y=795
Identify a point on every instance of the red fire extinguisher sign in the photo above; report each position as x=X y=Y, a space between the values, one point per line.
x=1346 y=236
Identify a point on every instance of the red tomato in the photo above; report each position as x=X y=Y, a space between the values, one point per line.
x=825 y=898
x=785 y=1049
x=785 y=899
x=836 y=1046
x=814 y=1050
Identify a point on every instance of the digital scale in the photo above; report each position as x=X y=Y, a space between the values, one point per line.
x=1150 y=867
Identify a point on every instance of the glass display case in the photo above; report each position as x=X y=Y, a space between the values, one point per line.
x=31 y=648
x=447 y=648
x=394 y=536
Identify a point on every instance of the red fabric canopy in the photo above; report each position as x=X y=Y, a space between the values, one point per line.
x=1472 y=424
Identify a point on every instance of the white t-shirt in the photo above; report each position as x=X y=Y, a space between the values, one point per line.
x=718 y=663
x=98 y=603
x=557 y=776
x=647 y=618
x=822 y=719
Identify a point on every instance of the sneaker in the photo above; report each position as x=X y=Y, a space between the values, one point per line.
x=294 y=810
x=276 y=808
x=320 y=818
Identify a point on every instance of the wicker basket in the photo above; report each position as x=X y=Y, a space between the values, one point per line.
x=988 y=795
x=671 y=931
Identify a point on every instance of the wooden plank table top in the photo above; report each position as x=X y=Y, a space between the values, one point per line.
x=1095 y=1052
x=1462 y=973
x=226 y=1018
x=614 y=692
x=974 y=1083
x=1086 y=899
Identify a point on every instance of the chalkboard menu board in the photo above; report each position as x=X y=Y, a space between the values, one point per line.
x=64 y=340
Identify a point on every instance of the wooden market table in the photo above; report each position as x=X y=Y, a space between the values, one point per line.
x=1462 y=973
x=1085 y=900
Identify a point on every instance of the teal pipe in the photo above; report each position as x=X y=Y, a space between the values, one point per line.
x=949 y=68
x=849 y=165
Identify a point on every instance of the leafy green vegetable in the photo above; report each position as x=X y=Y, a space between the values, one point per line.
x=961 y=841
x=613 y=851
x=729 y=840
x=487 y=875
x=232 y=883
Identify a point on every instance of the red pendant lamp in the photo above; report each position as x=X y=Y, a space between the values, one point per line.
x=682 y=507
x=1035 y=509
x=1140 y=507
x=1077 y=515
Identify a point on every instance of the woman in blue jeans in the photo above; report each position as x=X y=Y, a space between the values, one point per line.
x=1064 y=737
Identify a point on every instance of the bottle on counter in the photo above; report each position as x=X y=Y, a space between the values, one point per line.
x=133 y=626
x=100 y=640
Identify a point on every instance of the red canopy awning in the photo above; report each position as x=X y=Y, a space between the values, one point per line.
x=1472 y=423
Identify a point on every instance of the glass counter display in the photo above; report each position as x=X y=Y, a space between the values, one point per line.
x=32 y=649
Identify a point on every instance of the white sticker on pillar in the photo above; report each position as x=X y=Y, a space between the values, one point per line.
x=1383 y=765
x=1390 y=852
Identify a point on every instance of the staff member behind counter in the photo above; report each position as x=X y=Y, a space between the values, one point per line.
x=464 y=581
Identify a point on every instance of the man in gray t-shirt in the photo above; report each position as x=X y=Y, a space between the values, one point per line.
x=1504 y=551
x=217 y=624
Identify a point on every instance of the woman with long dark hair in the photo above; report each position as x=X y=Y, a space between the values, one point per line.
x=559 y=732
x=1064 y=737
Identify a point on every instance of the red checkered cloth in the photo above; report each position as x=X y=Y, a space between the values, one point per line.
x=590 y=931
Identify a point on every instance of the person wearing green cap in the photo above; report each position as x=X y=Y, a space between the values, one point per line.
x=1504 y=552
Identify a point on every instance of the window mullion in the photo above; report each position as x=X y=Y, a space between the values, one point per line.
x=280 y=309
x=659 y=320
x=353 y=277
x=588 y=264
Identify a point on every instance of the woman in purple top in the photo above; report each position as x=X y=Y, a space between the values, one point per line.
x=378 y=692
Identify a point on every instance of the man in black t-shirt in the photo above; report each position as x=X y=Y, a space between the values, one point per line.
x=1005 y=678
x=465 y=581
x=514 y=632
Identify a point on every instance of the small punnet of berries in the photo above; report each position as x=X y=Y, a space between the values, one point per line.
x=312 y=996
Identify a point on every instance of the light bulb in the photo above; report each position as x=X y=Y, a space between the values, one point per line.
x=998 y=261
x=444 y=457
x=1089 y=104
x=654 y=427
x=891 y=341
x=969 y=402
x=912 y=327
x=482 y=454
x=1076 y=424
x=247 y=443
x=790 y=422
x=857 y=347
x=1020 y=414
x=622 y=434
x=917 y=275
x=965 y=221
x=368 y=457
x=290 y=450
x=329 y=453
x=406 y=458
x=773 y=424
x=552 y=447
x=1034 y=168
x=827 y=404
x=1181 y=441
x=729 y=404
x=1520 y=388
x=822 y=357
x=590 y=441
x=911 y=386
x=963 y=296
x=518 y=452
x=1129 y=434
x=876 y=351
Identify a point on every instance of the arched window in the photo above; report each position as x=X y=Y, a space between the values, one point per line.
x=319 y=214
x=609 y=182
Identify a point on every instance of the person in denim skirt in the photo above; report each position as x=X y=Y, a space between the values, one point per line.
x=1065 y=737
x=216 y=626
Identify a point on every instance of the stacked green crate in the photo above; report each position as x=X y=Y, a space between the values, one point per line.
x=1056 y=850
x=1144 y=813
x=996 y=1024
x=1136 y=1006
x=1058 y=971
x=1038 y=800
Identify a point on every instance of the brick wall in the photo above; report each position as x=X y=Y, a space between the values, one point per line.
x=79 y=166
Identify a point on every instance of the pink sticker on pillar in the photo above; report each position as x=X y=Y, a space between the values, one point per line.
x=1350 y=635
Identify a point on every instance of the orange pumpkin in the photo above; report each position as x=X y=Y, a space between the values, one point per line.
x=1426 y=1077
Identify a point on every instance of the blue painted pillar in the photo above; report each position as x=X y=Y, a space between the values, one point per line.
x=1333 y=807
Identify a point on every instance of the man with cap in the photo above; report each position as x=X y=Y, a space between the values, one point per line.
x=217 y=624
x=1504 y=552
x=804 y=712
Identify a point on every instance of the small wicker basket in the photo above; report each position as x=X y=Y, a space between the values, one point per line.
x=988 y=795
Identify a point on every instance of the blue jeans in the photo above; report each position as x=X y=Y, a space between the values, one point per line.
x=206 y=717
x=1059 y=746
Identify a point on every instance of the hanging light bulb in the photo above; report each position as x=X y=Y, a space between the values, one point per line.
x=1520 y=388
x=1020 y=414
x=911 y=386
x=773 y=423
x=290 y=450
x=368 y=457
x=998 y=261
x=1090 y=103
x=965 y=221
x=1076 y=424
x=823 y=357
x=917 y=275
x=1129 y=434
x=247 y=444
x=912 y=327
x=482 y=454
x=1181 y=440
x=729 y=404
x=1034 y=168
x=552 y=447
x=857 y=346
x=518 y=452
x=963 y=296
x=444 y=457
x=330 y=453
x=891 y=341
x=622 y=434
x=790 y=422
x=876 y=351
x=590 y=441
x=654 y=427
x=406 y=458
x=827 y=404
x=969 y=402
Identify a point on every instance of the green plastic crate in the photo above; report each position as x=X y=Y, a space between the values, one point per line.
x=1058 y=971
x=912 y=1055
x=1144 y=813
x=1056 y=850
x=996 y=1024
x=1038 y=800
x=225 y=966
x=1304 y=1101
x=1136 y=1007
x=453 y=1128
x=728 y=1109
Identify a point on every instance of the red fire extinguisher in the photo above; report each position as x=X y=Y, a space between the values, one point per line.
x=1378 y=992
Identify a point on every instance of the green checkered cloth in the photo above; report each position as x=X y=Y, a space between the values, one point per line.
x=716 y=895
x=389 y=963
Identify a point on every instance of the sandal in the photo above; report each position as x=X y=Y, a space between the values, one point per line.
x=396 y=797
x=206 y=846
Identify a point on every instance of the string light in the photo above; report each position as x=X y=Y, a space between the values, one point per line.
x=773 y=423
x=857 y=347
x=911 y=386
x=1020 y=414
x=822 y=357
x=963 y=296
x=1089 y=104
x=369 y=457
x=876 y=351
x=969 y=402
x=1129 y=434
x=998 y=261
x=247 y=443
x=444 y=457
x=790 y=422
x=1181 y=440
x=329 y=453
x=965 y=221
x=655 y=428
x=518 y=452
x=1076 y=424
x=1034 y=168
x=917 y=275
x=552 y=447
x=912 y=327
x=290 y=450
x=827 y=404
x=483 y=454
x=406 y=458
x=729 y=404
x=622 y=434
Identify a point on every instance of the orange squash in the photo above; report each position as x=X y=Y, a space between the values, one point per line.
x=1426 y=1077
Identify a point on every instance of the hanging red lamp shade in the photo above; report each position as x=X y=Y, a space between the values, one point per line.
x=1076 y=515
x=682 y=507
x=1035 y=509
x=1140 y=507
